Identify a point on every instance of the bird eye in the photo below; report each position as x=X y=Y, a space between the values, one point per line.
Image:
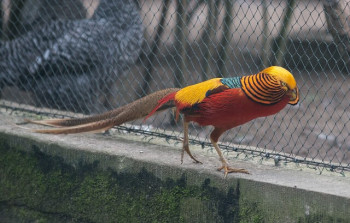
x=283 y=84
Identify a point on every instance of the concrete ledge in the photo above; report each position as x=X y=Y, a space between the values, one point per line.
x=119 y=178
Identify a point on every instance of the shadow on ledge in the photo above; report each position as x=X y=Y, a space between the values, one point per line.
x=36 y=187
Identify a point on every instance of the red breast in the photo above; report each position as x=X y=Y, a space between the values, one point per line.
x=232 y=108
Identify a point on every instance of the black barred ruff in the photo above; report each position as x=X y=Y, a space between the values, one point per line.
x=263 y=88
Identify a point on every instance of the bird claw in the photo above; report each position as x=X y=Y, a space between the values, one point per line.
x=228 y=169
x=187 y=149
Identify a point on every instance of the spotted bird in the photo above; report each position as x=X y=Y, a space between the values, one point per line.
x=223 y=103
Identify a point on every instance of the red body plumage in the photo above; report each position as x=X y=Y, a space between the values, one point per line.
x=161 y=102
x=224 y=110
x=231 y=108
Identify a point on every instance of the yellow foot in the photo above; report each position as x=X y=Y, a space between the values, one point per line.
x=187 y=150
x=228 y=169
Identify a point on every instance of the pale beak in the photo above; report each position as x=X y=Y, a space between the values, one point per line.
x=294 y=96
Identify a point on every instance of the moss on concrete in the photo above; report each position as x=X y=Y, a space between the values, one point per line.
x=44 y=182
x=38 y=187
x=319 y=218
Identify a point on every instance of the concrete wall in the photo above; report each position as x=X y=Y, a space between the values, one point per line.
x=123 y=178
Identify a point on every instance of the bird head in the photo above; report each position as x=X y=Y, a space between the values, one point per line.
x=287 y=81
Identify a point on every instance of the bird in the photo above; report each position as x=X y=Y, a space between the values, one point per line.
x=70 y=64
x=223 y=103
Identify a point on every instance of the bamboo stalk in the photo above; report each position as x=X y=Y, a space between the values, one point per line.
x=225 y=39
x=282 y=38
x=208 y=37
x=180 y=43
x=149 y=59
x=265 y=44
x=190 y=14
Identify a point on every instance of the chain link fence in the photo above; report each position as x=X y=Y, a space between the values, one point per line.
x=89 y=56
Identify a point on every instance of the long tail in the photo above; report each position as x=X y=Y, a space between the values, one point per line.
x=147 y=105
x=77 y=121
x=168 y=98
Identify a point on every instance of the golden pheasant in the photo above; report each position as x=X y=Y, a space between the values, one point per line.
x=221 y=102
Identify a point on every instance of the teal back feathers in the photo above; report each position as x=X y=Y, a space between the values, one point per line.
x=232 y=82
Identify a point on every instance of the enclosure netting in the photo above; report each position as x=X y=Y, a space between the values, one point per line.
x=89 y=56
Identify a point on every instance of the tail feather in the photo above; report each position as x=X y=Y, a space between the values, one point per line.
x=147 y=105
x=162 y=102
x=77 y=121
x=51 y=122
x=93 y=127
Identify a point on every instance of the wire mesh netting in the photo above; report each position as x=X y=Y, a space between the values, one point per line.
x=89 y=56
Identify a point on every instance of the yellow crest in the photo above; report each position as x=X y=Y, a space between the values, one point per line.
x=281 y=74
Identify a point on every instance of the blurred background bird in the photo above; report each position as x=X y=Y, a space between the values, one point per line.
x=223 y=103
x=69 y=62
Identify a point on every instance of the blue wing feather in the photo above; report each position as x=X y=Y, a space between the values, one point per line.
x=232 y=82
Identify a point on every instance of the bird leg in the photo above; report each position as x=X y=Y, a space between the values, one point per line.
x=186 y=145
x=227 y=169
x=225 y=166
